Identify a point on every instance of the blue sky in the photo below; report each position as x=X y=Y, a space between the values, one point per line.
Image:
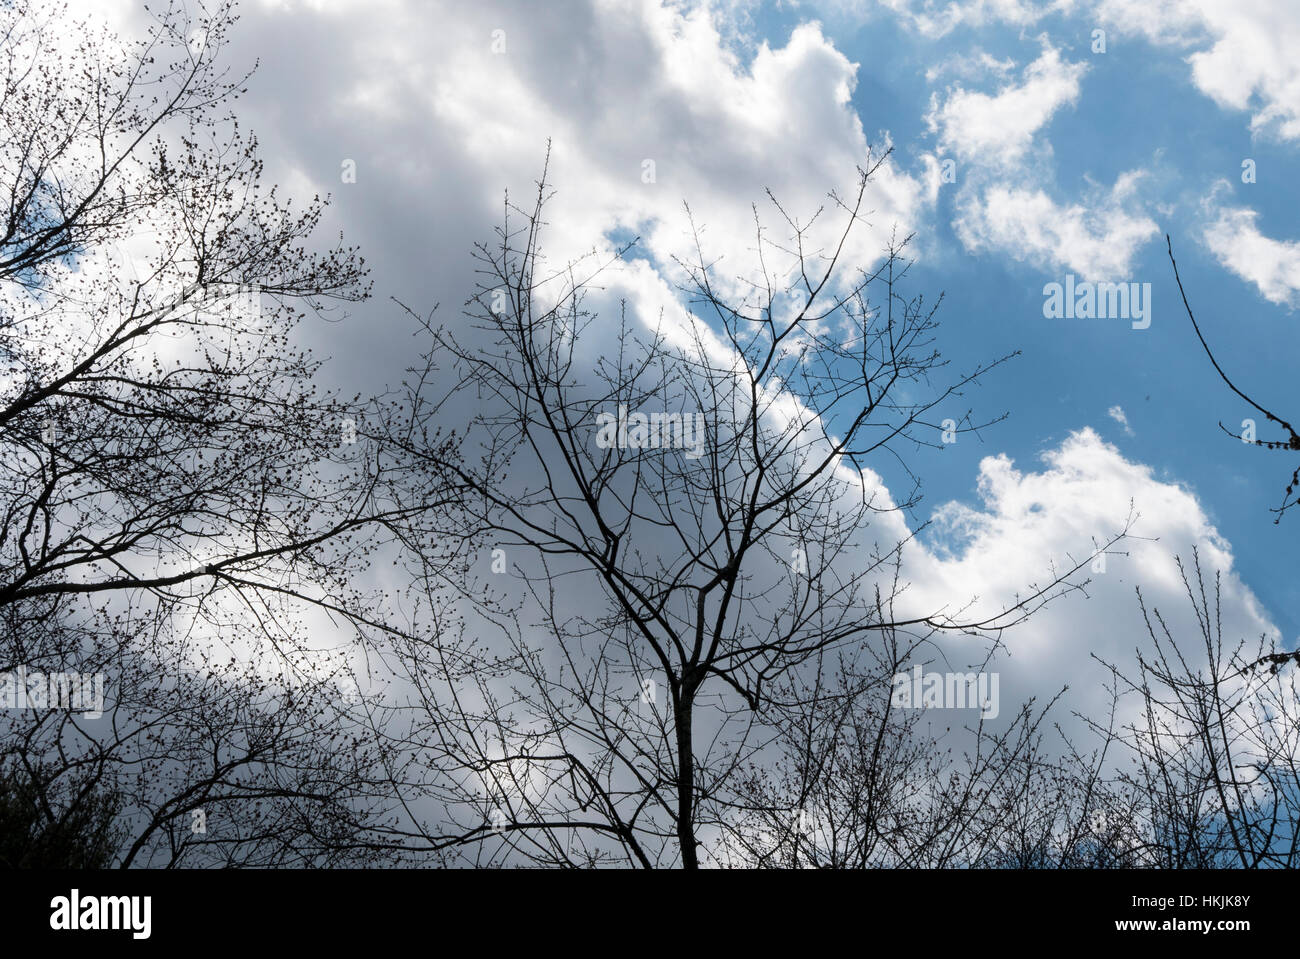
x=1137 y=108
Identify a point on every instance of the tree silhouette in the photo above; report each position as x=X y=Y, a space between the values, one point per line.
x=668 y=585
x=183 y=509
x=1292 y=440
x=39 y=830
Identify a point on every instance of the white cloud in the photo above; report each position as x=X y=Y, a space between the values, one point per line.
x=1249 y=63
x=999 y=129
x=1004 y=205
x=971 y=66
x=1097 y=238
x=935 y=18
x=1119 y=416
x=1272 y=265
x=614 y=86
x=1061 y=514
x=1241 y=53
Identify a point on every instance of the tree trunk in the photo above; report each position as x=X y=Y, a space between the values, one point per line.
x=686 y=779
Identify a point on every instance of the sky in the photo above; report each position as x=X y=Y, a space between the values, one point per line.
x=1031 y=141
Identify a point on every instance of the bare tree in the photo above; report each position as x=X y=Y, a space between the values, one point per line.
x=183 y=509
x=687 y=529
x=1201 y=774
x=1291 y=442
x=859 y=782
x=1215 y=749
x=82 y=834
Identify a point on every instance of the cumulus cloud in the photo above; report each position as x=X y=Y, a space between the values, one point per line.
x=1273 y=266
x=1000 y=128
x=1028 y=520
x=646 y=106
x=1243 y=52
x=1097 y=238
x=1004 y=205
